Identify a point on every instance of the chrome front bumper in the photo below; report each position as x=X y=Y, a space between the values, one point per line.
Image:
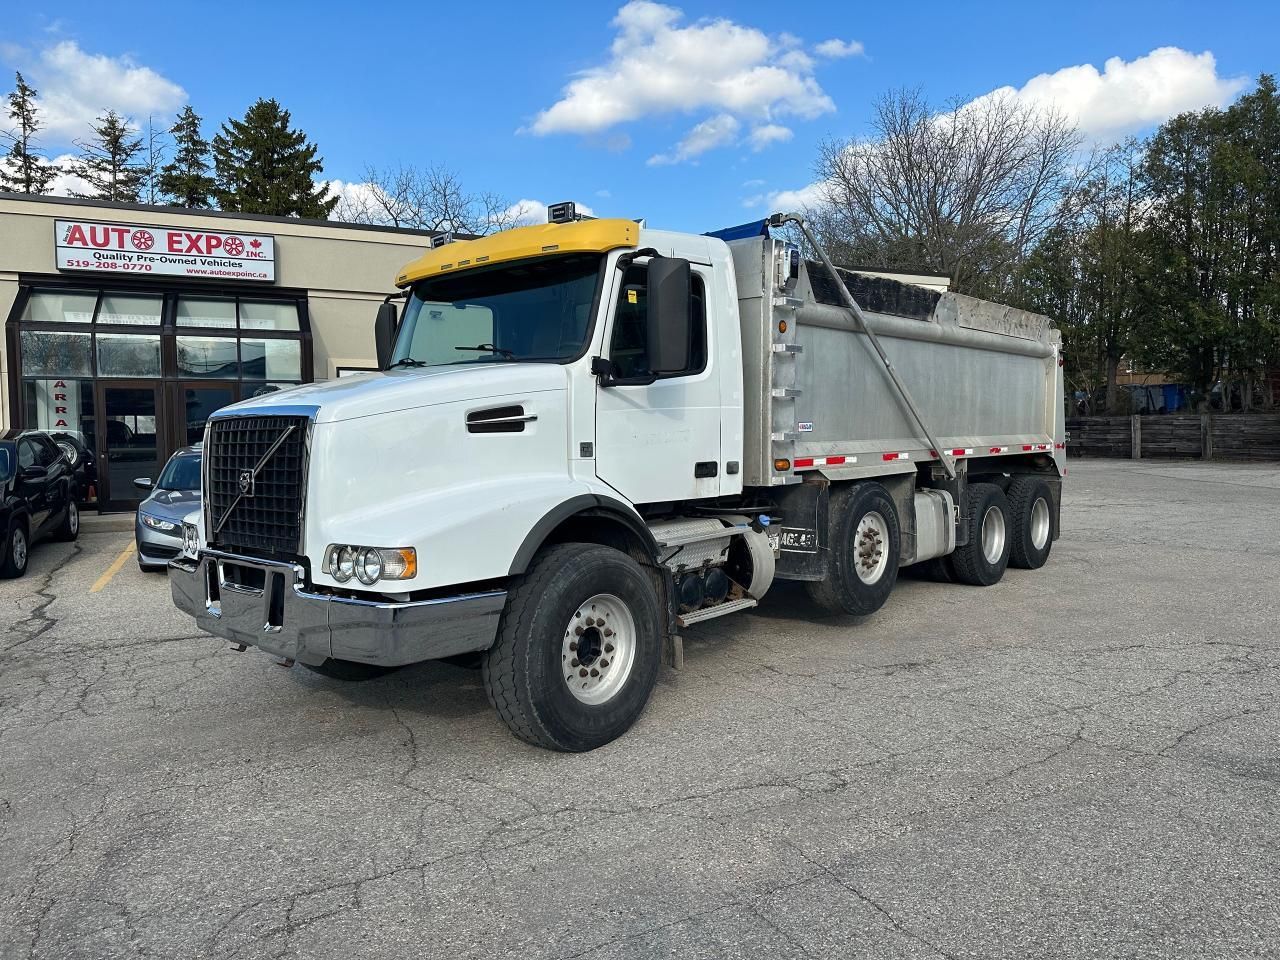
x=266 y=604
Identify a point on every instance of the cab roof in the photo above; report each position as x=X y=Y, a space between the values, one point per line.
x=521 y=243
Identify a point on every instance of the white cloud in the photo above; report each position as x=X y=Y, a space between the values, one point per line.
x=657 y=66
x=834 y=49
x=530 y=212
x=1124 y=97
x=769 y=134
x=75 y=87
x=718 y=131
x=1128 y=96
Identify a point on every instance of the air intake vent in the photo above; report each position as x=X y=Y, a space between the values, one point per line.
x=499 y=420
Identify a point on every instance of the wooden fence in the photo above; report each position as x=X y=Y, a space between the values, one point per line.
x=1243 y=436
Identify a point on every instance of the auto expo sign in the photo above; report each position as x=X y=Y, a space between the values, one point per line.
x=124 y=248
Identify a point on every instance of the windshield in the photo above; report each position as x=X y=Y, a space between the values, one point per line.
x=181 y=473
x=528 y=310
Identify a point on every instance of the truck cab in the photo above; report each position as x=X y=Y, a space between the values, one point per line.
x=586 y=436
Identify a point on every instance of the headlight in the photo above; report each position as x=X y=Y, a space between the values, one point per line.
x=190 y=541
x=370 y=564
x=155 y=523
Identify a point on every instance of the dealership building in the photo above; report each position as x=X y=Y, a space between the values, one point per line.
x=129 y=324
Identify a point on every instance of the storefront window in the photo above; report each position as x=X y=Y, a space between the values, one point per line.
x=200 y=403
x=271 y=359
x=59 y=306
x=208 y=358
x=259 y=315
x=124 y=309
x=200 y=312
x=128 y=355
x=45 y=353
x=60 y=405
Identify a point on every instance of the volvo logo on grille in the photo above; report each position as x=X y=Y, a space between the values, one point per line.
x=246 y=483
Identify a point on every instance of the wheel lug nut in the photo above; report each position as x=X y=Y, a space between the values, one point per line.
x=595 y=672
x=573 y=644
x=608 y=648
x=582 y=673
x=573 y=662
x=604 y=664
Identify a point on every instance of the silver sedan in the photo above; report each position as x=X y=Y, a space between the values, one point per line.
x=170 y=498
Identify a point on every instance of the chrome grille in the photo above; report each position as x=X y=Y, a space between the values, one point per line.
x=267 y=523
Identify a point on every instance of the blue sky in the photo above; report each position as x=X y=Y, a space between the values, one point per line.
x=695 y=115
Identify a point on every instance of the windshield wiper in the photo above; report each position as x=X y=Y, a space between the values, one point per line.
x=490 y=348
x=407 y=362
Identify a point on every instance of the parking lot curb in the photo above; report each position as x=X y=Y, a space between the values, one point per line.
x=106 y=522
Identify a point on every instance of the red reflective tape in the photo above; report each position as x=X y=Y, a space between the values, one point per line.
x=998 y=449
x=834 y=461
x=803 y=462
x=1026 y=446
x=894 y=456
x=1059 y=446
x=962 y=452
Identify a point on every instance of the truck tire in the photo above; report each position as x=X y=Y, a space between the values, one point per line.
x=984 y=509
x=578 y=649
x=1031 y=513
x=864 y=537
x=16 y=547
x=349 y=670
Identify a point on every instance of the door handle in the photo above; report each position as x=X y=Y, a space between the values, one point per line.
x=705 y=468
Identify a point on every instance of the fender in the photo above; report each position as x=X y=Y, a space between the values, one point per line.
x=589 y=504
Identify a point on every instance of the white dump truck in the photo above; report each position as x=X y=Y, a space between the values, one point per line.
x=586 y=436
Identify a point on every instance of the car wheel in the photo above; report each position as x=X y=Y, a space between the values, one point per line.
x=69 y=529
x=16 y=547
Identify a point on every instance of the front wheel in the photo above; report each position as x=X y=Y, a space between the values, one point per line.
x=578 y=650
x=14 y=561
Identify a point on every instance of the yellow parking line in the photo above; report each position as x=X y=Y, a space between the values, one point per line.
x=112 y=570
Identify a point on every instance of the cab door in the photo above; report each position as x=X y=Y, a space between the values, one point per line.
x=657 y=441
x=32 y=484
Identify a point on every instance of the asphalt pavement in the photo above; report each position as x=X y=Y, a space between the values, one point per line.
x=1080 y=761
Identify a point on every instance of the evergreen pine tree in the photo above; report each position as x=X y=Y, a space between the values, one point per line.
x=22 y=170
x=263 y=166
x=107 y=161
x=185 y=180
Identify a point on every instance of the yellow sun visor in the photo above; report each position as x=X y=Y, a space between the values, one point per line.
x=547 y=239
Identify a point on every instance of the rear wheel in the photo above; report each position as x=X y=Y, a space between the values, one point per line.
x=1031 y=513
x=16 y=546
x=579 y=647
x=69 y=529
x=864 y=538
x=983 y=559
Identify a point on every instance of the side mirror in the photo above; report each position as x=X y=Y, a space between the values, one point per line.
x=384 y=333
x=143 y=483
x=670 y=315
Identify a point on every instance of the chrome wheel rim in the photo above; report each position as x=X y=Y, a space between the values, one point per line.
x=73 y=518
x=871 y=547
x=993 y=534
x=19 y=549
x=599 y=649
x=1040 y=523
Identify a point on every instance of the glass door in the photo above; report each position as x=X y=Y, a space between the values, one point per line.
x=130 y=440
x=196 y=402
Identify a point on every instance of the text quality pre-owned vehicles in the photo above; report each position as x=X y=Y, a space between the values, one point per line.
x=37 y=497
x=589 y=435
x=157 y=528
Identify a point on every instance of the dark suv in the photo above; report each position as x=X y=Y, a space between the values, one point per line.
x=37 y=497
